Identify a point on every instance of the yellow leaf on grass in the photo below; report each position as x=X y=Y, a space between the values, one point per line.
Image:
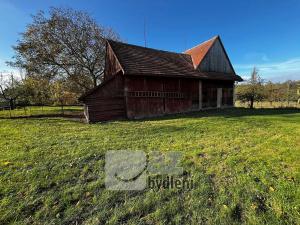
x=253 y=206
x=271 y=189
x=6 y=163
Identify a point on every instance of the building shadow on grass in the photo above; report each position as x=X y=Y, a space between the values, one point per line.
x=227 y=113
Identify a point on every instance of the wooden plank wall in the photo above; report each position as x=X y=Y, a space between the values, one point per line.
x=149 y=97
x=107 y=102
x=112 y=65
x=140 y=107
x=216 y=60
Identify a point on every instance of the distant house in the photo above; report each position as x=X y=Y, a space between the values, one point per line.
x=143 y=82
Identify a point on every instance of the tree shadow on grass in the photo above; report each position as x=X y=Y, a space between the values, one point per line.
x=48 y=118
x=74 y=116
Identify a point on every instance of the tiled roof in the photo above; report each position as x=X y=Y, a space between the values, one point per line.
x=137 y=60
x=198 y=52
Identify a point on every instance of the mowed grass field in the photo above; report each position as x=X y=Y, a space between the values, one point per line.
x=245 y=165
x=36 y=111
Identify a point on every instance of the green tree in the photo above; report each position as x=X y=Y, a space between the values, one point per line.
x=60 y=94
x=37 y=90
x=270 y=90
x=67 y=44
x=252 y=91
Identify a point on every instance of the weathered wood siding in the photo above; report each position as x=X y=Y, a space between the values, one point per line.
x=137 y=97
x=216 y=60
x=112 y=65
x=148 y=96
x=107 y=102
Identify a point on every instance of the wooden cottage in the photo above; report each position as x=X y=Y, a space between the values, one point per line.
x=143 y=82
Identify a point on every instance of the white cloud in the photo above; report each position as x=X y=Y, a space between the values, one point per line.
x=256 y=56
x=280 y=71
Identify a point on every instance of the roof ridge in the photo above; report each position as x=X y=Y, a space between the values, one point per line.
x=154 y=49
x=213 y=38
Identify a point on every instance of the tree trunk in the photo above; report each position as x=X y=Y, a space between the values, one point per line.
x=251 y=103
x=62 y=109
x=95 y=81
x=11 y=104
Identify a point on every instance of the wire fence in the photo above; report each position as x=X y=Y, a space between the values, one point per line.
x=36 y=111
x=269 y=105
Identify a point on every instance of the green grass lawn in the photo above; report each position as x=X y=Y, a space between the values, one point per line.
x=41 y=111
x=245 y=164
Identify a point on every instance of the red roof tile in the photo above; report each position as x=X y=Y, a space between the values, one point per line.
x=198 y=52
x=137 y=60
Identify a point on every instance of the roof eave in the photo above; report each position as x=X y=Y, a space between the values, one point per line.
x=201 y=76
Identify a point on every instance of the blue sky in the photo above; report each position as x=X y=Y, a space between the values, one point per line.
x=262 y=33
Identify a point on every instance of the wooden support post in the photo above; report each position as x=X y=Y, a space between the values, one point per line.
x=86 y=113
x=219 y=98
x=233 y=95
x=126 y=98
x=200 y=94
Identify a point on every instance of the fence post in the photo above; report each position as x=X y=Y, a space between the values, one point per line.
x=62 y=109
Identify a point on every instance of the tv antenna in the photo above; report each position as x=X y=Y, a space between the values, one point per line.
x=145 y=39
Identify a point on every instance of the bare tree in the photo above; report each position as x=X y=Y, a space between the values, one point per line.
x=10 y=89
x=68 y=44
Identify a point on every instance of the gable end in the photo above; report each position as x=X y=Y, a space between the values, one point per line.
x=112 y=64
x=216 y=59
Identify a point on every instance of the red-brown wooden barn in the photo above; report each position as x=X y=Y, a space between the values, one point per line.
x=143 y=82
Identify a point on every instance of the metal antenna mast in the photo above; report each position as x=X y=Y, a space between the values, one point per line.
x=145 y=40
